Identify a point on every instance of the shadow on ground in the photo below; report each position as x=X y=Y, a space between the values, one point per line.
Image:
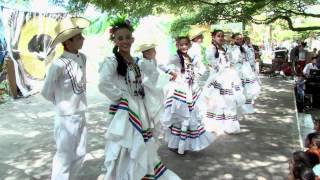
x=260 y=151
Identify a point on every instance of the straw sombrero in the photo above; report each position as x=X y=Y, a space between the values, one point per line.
x=69 y=27
x=195 y=33
x=145 y=46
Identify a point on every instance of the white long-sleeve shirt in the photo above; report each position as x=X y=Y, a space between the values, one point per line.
x=65 y=84
x=195 y=52
x=308 y=67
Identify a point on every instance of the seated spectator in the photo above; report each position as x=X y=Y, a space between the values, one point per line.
x=301 y=173
x=314 y=146
x=311 y=65
x=301 y=164
x=286 y=69
x=316 y=133
x=308 y=140
x=309 y=159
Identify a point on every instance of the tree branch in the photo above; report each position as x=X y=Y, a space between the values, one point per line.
x=301 y=13
x=289 y=21
x=219 y=3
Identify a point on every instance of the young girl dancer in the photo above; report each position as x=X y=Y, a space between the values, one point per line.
x=182 y=119
x=240 y=59
x=223 y=92
x=131 y=149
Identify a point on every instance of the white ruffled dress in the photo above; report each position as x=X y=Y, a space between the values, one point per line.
x=251 y=87
x=222 y=94
x=131 y=148
x=182 y=119
x=252 y=60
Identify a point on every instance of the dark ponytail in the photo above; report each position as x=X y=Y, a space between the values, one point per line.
x=216 y=55
x=241 y=49
x=181 y=61
x=122 y=65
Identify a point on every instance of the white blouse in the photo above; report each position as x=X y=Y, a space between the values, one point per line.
x=174 y=65
x=195 y=52
x=236 y=56
x=222 y=61
x=250 y=54
x=115 y=87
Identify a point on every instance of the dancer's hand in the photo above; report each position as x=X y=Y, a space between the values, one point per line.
x=173 y=76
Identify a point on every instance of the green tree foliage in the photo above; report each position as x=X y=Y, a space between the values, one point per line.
x=211 y=11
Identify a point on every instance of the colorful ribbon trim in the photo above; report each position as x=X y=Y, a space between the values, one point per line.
x=133 y=118
x=178 y=95
x=221 y=116
x=223 y=91
x=187 y=134
x=159 y=170
x=247 y=81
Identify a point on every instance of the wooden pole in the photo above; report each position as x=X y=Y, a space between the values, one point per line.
x=11 y=77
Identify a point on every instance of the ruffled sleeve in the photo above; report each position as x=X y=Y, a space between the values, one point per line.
x=201 y=68
x=250 y=55
x=51 y=81
x=153 y=91
x=234 y=55
x=211 y=57
x=195 y=52
x=202 y=72
x=170 y=66
x=149 y=70
x=108 y=75
x=150 y=75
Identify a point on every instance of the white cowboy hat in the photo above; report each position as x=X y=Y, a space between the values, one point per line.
x=145 y=46
x=69 y=27
x=195 y=33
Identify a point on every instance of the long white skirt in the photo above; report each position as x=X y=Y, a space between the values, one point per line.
x=131 y=149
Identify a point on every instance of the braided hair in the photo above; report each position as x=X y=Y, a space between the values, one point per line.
x=122 y=64
x=180 y=54
x=183 y=69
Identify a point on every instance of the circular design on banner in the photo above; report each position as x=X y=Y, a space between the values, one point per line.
x=35 y=38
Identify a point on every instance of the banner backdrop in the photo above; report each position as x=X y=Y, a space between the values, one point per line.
x=28 y=36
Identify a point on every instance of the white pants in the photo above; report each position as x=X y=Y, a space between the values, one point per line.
x=70 y=134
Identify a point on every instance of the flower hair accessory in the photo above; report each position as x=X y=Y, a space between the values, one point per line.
x=120 y=22
x=128 y=22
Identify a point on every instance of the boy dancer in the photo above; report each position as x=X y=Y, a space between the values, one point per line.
x=65 y=87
